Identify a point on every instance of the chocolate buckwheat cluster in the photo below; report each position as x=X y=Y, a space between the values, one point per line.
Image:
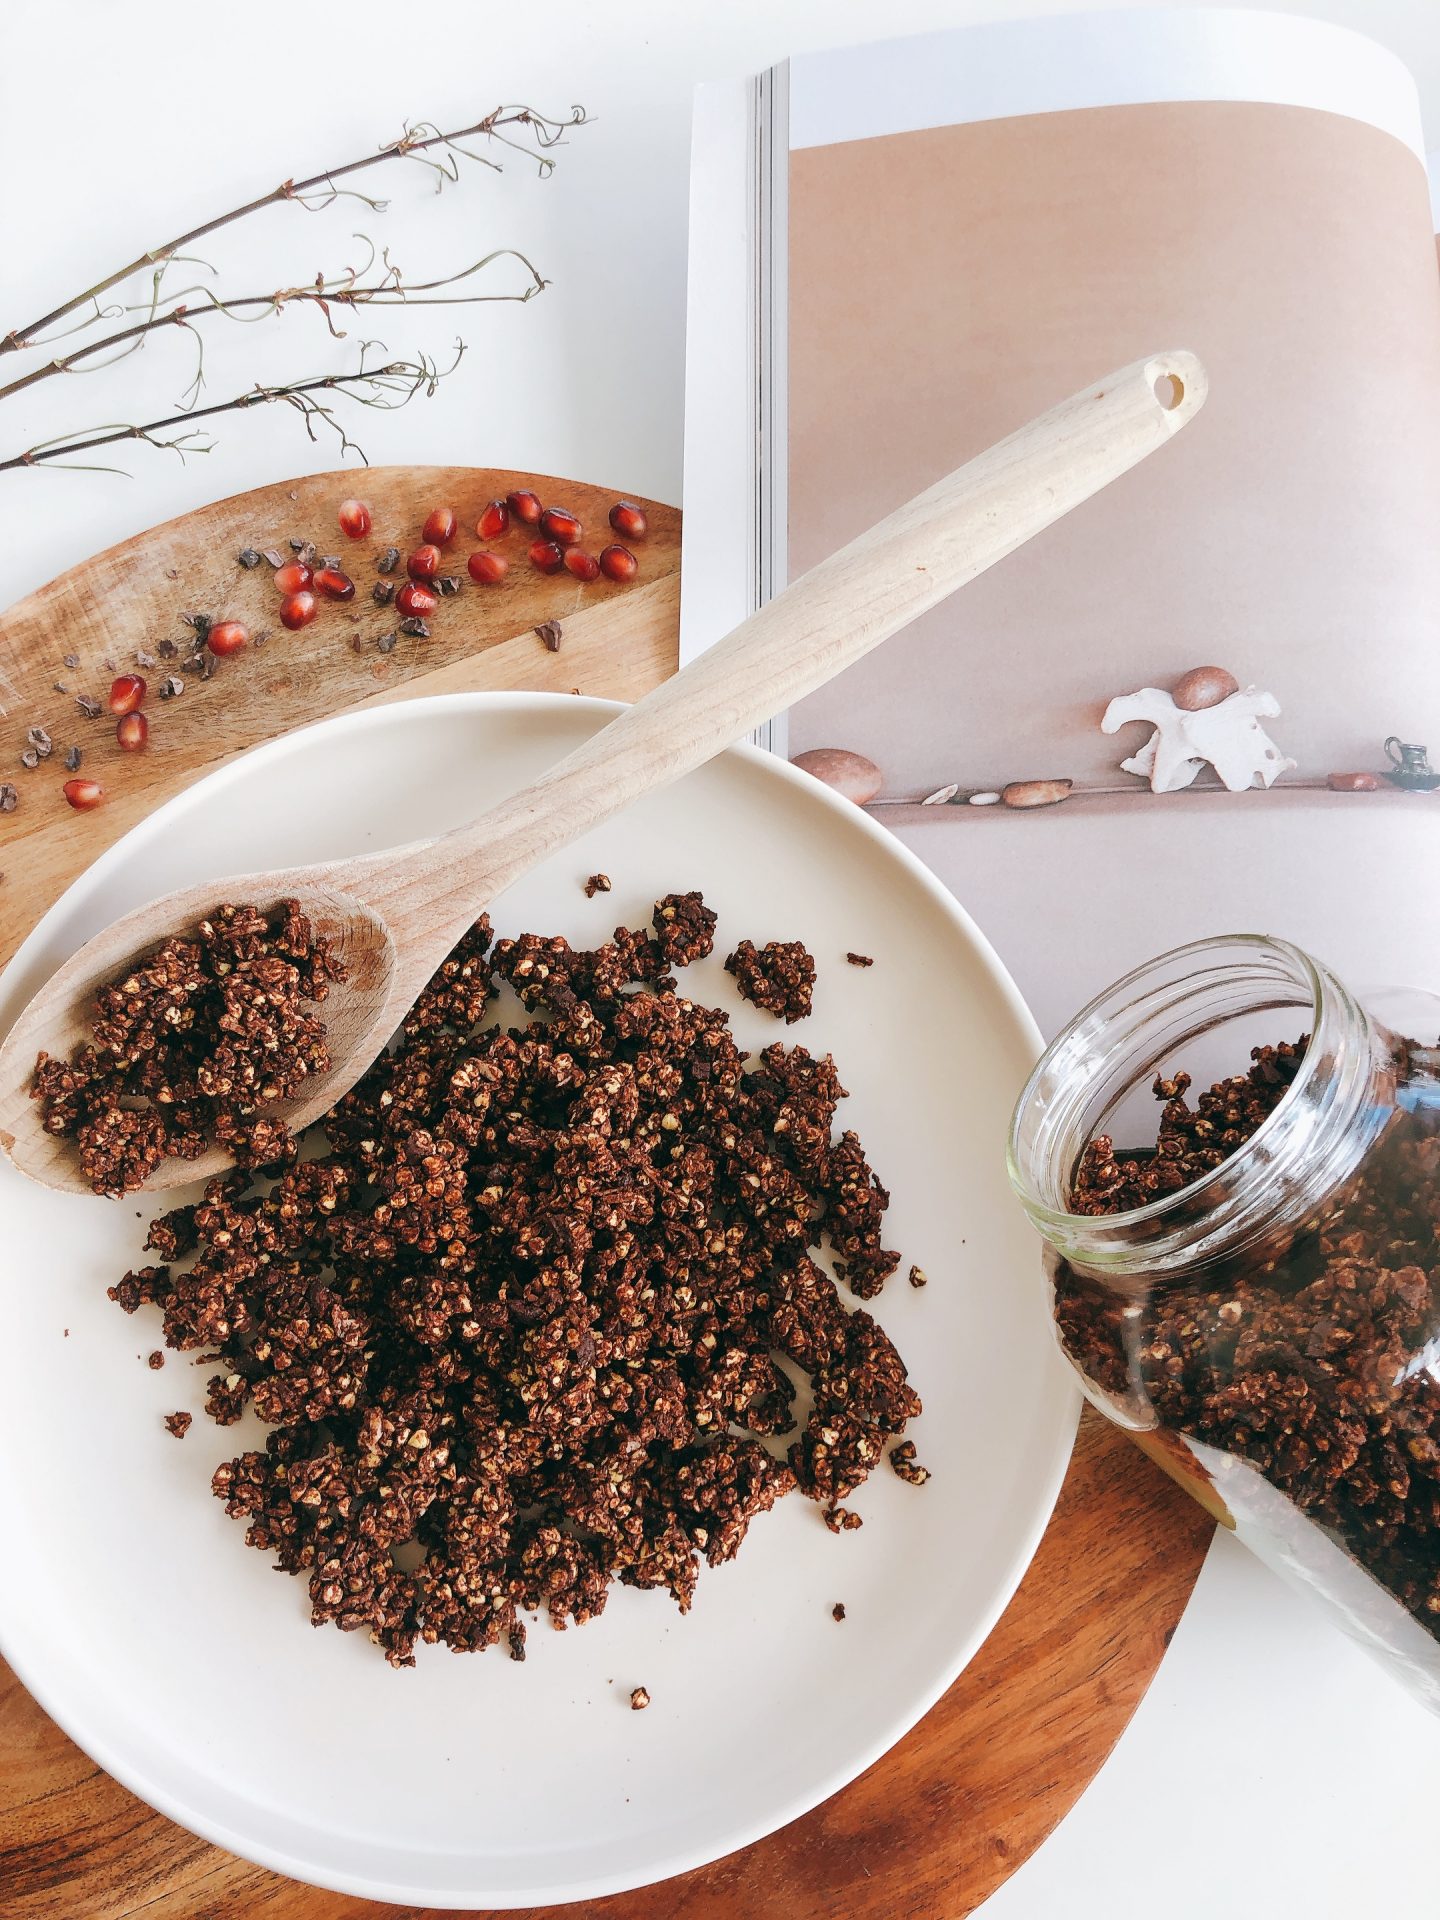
x=778 y=977
x=524 y=1319
x=1311 y=1367
x=685 y=928
x=1190 y=1142
x=188 y=1049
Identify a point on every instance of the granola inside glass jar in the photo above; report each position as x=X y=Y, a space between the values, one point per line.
x=1253 y=1287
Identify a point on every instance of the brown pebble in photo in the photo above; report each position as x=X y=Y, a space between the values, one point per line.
x=597 y=883
x=639 y=1699
x=1353 y=782
x=179 y=1423
x=850 y=774
x=1035 y=793
x=156 y=1361
x=860 y=959
x=1203 y=687
x=778 y=977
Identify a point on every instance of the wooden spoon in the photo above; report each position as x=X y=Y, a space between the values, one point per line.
x=395 y=915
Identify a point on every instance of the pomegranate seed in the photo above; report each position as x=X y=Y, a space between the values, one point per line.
x=494 y=521
x=227 y=636
x=294 y=578
x=561 y=526
x=334 y=584
x=487 y=568
x=525 y=506
x=297 y=610
x=618 y=563
x=354 y=518
x=546 y=556
x=83 y=794
x=416 y=598
x=424 y=562
x=584 y=566
x=127 y=693
x=132 y=730
x=627 y=518
x=439 y=527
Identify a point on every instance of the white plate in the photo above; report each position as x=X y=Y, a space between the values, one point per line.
x=129 y=1603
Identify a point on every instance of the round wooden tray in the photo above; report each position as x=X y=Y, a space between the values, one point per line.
x=950 y=1813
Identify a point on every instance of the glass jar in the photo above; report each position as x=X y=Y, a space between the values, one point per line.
x=1270 y=1331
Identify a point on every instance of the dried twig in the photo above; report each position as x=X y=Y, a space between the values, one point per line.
x=350 y=289
x=385 y=387
x=418 y=142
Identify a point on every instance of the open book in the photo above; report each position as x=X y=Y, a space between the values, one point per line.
x=902 y=252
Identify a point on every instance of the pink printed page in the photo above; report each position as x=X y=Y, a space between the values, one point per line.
x=946 y=284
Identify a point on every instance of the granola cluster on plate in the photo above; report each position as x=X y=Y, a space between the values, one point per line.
x=780 y=977
x=524 y=1327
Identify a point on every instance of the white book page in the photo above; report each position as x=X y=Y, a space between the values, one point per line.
x=1012 y=67
x=722 y=448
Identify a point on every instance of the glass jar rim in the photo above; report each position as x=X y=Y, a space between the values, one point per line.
x=1133 y=1024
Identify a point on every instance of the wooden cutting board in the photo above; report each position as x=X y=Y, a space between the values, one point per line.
x=942 y=1820
x=131 y=601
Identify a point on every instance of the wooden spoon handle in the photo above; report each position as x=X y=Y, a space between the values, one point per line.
x=826 y=620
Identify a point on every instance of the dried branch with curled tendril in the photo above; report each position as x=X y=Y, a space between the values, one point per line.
x=420 y=141
x=384 y=387
x=353 y=288
x=378 y=283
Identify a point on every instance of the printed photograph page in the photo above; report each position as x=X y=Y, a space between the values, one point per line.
x=967 y=244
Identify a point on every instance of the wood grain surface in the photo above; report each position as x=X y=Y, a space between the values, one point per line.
x=616 y=642
x=934 y=1827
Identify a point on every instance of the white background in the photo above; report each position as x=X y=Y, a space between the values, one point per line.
x=1271 y=1770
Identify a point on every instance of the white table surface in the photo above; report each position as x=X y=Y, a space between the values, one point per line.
x=1271 y=1770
